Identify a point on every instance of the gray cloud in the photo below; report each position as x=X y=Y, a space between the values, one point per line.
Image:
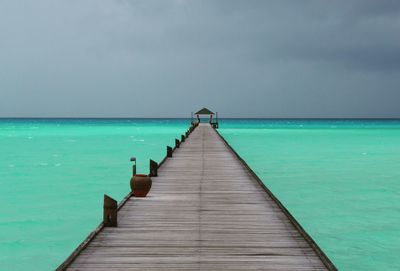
x=167 y=58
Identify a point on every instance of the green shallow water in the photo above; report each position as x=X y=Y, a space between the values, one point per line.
x=53 y=174
x=340 y=179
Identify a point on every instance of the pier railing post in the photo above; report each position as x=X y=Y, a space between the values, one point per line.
x=153 y=168
x=182 y=138
x=169 y=151
x=110 y=212
x=133 y=159
x=177 y=143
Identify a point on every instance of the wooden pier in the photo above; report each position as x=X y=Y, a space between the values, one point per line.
x=206 y=210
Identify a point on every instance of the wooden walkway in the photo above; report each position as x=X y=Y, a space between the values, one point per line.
x=205 y=211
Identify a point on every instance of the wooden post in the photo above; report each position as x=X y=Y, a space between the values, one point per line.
x=186 y=134
x=169 y=151
x=110 y=212
x=133 y=159
x=153 y=168
x=177 y=143
x=182 y=138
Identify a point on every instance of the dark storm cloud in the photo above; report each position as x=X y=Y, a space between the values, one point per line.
x=358 y=34
x=167 y=58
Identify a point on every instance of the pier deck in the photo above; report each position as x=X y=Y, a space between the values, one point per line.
x=205 y=211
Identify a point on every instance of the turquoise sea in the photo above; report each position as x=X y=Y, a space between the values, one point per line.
x=339 y=178
x=53 y=174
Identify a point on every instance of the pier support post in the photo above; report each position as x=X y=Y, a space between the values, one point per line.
x=153 y=168
x=169 y=151
x=177 y=143
x=110 y=212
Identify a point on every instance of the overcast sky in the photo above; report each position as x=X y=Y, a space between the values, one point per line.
x=81 y=58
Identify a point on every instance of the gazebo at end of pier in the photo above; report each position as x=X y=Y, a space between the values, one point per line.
x=206 y=111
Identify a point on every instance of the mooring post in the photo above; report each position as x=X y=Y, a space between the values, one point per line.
x=110 y=212
x=133 y=159
x=182 y=138
x=169 y=151
x=177 y=143
x=153 y=168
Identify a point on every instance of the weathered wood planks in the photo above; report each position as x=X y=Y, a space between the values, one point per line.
x=205 y=211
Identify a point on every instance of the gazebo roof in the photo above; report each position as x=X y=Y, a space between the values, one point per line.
x=204 y=111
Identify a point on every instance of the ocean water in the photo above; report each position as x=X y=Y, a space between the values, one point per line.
x=53 y=174
x=340 y=179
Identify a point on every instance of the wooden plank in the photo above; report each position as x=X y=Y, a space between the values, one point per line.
x=206 y=211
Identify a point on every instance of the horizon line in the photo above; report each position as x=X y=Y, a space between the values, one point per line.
x=238 y=118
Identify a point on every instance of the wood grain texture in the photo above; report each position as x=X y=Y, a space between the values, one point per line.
x=205 y=211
